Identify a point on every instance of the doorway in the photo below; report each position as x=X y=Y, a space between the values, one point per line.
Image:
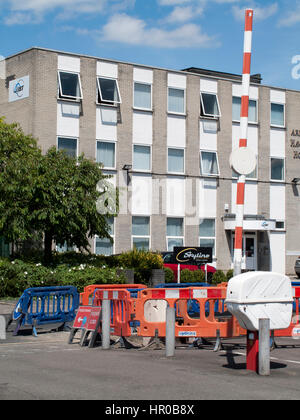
x=249 y=253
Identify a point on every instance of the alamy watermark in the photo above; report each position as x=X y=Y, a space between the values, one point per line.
x=188 y=197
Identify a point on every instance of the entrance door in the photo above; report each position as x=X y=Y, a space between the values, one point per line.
x=249 y=253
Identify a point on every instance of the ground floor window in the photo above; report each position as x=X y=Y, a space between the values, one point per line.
x=175 y=232
x=4 y=248
x=103 y=246
x=207 y=234
x=141 y=232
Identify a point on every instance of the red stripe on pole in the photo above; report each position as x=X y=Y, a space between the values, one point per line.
x=243 y=142
x=249 y=20
x=245 y=106
x=240 y=194
x=238 y=241
x=247 y=63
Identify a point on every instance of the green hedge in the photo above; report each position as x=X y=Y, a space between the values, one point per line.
x=219 y=277
x=16 y=276
x=74 y=269
x=188 y=276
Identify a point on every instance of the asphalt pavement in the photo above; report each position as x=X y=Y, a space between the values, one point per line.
x=47 y=368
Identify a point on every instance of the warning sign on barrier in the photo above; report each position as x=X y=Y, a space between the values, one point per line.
x=93 y=319
x=82 y=317
x=87 y=320
x=296 y=332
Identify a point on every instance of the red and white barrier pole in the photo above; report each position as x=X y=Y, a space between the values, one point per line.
x=240 y=197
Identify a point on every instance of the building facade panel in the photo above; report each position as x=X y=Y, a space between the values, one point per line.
x=166 y=138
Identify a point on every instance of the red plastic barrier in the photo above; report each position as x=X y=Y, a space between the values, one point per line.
x=204 y=326
x=87 y=295
x=120 y=312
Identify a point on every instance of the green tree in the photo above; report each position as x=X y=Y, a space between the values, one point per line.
x=19 y=156
x=63 y=198
x=70 y=201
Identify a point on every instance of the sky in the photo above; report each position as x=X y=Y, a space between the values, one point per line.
x=172 y=34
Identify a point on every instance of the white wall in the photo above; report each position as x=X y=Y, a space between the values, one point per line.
x=141 y=202
x=175 y=196
x=277 y=252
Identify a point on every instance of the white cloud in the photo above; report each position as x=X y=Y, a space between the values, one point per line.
x=180 y=14
x=33 y=11
x=292 y=17
x=260 y=13
x=173 y=2
x=126 y=29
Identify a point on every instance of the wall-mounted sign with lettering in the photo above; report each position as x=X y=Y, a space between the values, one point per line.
x=18 y=89
x=295 y=143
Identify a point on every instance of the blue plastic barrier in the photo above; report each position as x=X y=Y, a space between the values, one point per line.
x=295 y=284
x=46 y=305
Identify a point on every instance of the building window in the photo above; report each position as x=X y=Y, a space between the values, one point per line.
x=280 y=225
x=141 y=232
x=108 y=91
x=142 y=96
x=68 y=145
x=69 y=85
x=277 y=169
x=141 y=158
x=175 y=233
x=4 y=248
x=106 y=154
x=209 y=163
x=236 y=109
x=210 y=105
x=103 y=246
x=207 y=233
x=64 y=247
x=277 y=115
x=176 y=100
x=176 y=161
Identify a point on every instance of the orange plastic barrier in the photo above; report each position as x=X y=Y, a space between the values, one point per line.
x=120 y=310
x=87 y=295
x=186 y=327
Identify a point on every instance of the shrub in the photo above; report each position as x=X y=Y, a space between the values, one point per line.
x=17 y=275
x=169 y=275
x=142 y=262
x=229 y=274
x=198 y=276
x=218 y=277
x=186 y=276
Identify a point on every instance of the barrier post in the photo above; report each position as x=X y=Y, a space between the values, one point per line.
x=178 y=273
x=170 y=331
x=106 y=315
x=264 y=347
x=252 y=351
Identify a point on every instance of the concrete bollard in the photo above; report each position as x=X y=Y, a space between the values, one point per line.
x=2 y=328
x=264 y=347
x=106 y=314
x=170 y=331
